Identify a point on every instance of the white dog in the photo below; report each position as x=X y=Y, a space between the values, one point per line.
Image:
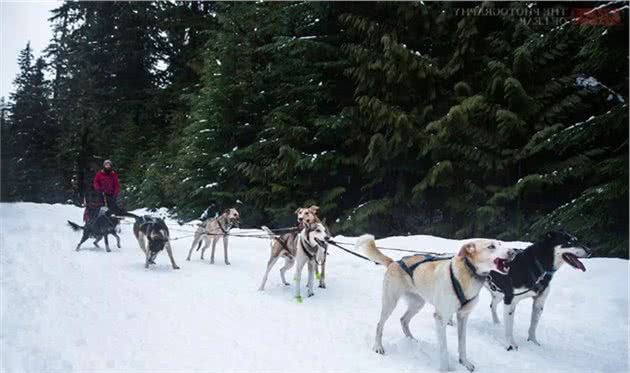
x=311 y=246
x=451 y=285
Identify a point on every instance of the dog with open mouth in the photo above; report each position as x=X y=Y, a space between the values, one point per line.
x=529 y=276
x=450 y=284
x=311 y=250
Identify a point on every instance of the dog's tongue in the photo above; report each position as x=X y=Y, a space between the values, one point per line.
x=573 y=261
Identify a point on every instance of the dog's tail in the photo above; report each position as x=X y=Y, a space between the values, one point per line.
x=75 y=227
x=367 y=244
x=128 y=214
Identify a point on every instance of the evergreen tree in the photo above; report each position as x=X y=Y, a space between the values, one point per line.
x=30 y=134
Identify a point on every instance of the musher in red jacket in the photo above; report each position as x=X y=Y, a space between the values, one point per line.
x=106 y=182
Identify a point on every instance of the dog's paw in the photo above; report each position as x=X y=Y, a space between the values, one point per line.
x=379 y=349
x=108 y=250
x=534 y=341
x=212 y=262
x=175 y=267
x=512 y=347
x=470 y=366
x=411 y=337
x=287 y=284
x=188 y=259
x=310 y=294
x=298 y=299
x=227 y=263
x=322 y=286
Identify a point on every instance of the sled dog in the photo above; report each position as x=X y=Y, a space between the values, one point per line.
x=153 y=236
x=451 y=285
x=99 y=227
x=214 y=229
x=285 y=246
x=530 y=275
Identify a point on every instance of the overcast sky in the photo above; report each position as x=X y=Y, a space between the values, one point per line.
x=21 y=21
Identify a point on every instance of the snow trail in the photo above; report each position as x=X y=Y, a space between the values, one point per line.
x=88 y=311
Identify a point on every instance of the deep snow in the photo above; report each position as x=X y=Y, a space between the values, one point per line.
x=87 y=311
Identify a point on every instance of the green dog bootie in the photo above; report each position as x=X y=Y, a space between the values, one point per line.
x=318 y=276
x=298 y=299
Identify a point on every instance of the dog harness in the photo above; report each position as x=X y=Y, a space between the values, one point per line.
x=457 y=287
x=540 y=282
x=307 y=249
x=225 y=231
x=411 y=268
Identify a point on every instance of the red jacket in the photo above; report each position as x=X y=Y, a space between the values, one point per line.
x=106 y=183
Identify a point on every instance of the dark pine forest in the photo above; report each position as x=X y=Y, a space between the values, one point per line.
x=395 y=118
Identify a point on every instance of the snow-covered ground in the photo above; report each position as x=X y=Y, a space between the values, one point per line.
x=89 y=311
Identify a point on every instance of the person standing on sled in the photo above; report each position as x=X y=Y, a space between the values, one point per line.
x=106 y=183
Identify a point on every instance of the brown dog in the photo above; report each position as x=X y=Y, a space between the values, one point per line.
x=285 y=246
x=213 y=230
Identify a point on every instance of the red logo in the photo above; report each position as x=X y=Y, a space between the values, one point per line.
x=596 y=17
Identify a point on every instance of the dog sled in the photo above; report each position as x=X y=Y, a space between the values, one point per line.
x=93 y=201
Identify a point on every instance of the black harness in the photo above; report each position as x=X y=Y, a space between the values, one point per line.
x=411 y=268
x=225 y=231
x=457 y=287
x=309 y=249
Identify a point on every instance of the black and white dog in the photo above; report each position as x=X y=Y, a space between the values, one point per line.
x=152 y=232
x=99 y=227
x=529 y=276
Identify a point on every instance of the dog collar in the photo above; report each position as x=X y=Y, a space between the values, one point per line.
x=473 y=270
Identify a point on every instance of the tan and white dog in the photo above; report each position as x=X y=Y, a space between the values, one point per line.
x=285 y=246
x=213 y=230
x=451 y=285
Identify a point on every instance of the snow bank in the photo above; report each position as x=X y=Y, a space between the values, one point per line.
x=63 y=311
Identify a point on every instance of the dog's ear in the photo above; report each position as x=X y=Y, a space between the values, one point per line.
x=298 y=210
x=226 y=211
x=314 y=209
x=468 y=249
